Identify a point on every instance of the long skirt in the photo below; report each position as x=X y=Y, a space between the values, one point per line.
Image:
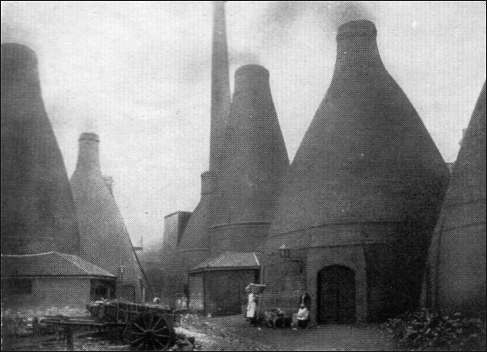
x=251 y=308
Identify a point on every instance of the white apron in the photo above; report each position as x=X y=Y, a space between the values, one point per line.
x=251 y=306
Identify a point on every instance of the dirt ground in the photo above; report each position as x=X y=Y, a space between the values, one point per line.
x=233 y=333
x=237 y=334
x=82 y=341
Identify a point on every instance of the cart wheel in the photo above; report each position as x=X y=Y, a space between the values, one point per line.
x=149 y=331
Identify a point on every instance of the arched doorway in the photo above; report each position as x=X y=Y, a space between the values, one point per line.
x=336 y=295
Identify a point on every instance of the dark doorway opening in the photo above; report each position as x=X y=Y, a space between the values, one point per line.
x=336 y=295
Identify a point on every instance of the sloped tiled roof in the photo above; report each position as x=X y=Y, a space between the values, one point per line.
x=228 y=261
x=49 y=264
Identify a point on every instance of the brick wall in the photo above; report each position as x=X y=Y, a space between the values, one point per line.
x=196 y=292
x=174 y=225
x=225 y=290
x=245 y=237
x=171 y=271
x=220 y=292
x=51 y=294
x=285 y=280
x=387 y=260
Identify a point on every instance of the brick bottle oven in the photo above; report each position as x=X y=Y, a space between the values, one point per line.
x=38 y=213
x=361 y=198
x=104 y=237
x=455 y=280
x=253 y=166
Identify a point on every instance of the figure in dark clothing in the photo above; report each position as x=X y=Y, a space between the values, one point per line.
x=305 y=299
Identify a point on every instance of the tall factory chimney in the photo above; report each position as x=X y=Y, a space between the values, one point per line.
x=253 y=165
x=455 y=280
x=220 y=84
x=194 y=245
x=364 y=189
x=38 y=213
x=104 y=237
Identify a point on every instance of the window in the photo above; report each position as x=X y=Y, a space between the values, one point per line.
x=102 y=289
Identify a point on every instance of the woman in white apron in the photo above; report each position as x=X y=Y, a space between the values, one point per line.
x=252 y=308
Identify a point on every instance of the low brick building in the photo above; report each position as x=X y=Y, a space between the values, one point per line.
x=217 y=285
x=41 y=282
x=173 y=276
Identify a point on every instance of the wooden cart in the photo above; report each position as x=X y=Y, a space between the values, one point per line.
x=143 y=326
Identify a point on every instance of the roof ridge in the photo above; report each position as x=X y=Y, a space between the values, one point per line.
x=256 y=258
x=29 y=254
x=75 y=262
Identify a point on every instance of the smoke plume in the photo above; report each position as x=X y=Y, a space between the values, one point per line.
x=240 y=58
x=342 y=12
x=274 y=26
x=12 y=31
x=279 y=17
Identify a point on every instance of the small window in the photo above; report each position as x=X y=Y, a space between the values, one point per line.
x=18 y=287
x=102 y=289
x=101 y=292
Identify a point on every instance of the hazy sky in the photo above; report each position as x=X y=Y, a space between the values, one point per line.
x=138 y=74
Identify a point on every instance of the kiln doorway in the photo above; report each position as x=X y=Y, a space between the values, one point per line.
x=336 y=295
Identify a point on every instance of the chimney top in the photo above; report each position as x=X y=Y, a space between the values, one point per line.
x=17 y=59
x=251 y=77
x=18 y=52
x=253 y=70
x=358 y=28
x=88 y=157
x=89 y=136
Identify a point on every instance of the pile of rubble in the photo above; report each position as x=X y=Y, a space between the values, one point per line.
x=26 y=323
